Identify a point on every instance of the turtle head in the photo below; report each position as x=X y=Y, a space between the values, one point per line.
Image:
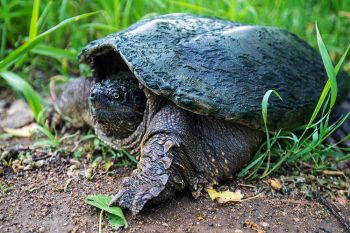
x=117 y=105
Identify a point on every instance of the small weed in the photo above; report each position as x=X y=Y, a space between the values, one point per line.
x=115 y=214
x=4 y=189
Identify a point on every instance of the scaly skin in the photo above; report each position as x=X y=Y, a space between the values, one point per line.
x=181 y=149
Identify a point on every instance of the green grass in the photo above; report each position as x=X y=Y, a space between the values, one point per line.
x=309 y=145
x=34 y=47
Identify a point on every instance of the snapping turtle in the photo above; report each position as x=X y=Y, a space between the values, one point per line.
x=184 y=92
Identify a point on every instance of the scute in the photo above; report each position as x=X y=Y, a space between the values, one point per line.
x=215 y=67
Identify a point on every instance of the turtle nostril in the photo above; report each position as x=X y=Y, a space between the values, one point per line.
x=92 y=96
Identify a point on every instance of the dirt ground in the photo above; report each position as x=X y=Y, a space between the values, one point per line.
x=37 y=201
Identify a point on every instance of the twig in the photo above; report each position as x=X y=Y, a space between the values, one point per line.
x=332 y=173
x=330 y=206
x=42 y=157
x=308 y=165
x=249 y=198
x=247 y=186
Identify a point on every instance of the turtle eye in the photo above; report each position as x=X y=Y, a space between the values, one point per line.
x=115 y=96
x=118 y=94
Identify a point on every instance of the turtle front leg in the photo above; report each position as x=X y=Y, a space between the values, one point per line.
x=157 y=176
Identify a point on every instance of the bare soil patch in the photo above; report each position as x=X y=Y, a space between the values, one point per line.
x=44 y=200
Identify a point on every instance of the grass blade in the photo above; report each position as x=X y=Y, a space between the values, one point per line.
x=337 y=67
x=52 y=139
x=56 y=53
x=34 y=100
x=320 y=102
x=33 y=29
x=193 y=7
x=264 y=103
x=328 y=66
x=116 y=9
x=17 y=53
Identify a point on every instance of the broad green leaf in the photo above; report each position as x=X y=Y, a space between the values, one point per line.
x=115 y=221
x=102 y=202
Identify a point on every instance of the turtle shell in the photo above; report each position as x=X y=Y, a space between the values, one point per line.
x=216 y=67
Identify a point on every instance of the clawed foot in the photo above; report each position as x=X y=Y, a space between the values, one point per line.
x=137 y=190
x=52 y=118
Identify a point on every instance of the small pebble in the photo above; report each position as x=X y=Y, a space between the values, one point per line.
x=264 y=224
x=39 y=163
x=165 y=224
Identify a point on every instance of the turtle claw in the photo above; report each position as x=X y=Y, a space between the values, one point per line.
x=135 y=192
x=52 y=118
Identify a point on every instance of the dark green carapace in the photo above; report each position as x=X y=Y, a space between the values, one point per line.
x=221 y=68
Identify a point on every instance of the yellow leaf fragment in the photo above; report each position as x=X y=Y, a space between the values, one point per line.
x=25 y=131
x=275 y=184
x=225 y=196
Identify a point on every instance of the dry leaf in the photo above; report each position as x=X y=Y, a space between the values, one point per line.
x=17 y=167
x=18 y=115
x=275 y=184
x=225 y=196
x=249 y=223
x=26 y=131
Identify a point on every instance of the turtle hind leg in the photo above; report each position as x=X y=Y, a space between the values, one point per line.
x=71 y=107
x=343 y=132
